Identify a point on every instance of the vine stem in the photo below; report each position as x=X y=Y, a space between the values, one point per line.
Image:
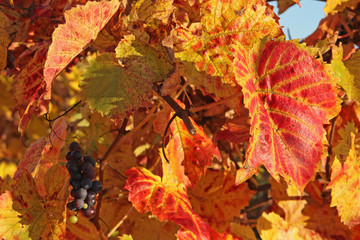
x=120 y=222
x=330 y=140
x=121 y=133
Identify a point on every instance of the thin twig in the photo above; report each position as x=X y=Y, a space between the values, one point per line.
x=163 y=141
x=120 y=222
x=47 y=118
x=330 y=140
x=108 y=165
x=210 y=105
x=259 y=205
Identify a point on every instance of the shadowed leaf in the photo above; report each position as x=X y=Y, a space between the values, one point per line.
x=216 y=199
x=116 y=91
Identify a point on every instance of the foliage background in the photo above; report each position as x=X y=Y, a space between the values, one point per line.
x=133 y=65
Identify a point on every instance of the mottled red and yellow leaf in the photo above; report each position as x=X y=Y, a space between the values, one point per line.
x=290 y=97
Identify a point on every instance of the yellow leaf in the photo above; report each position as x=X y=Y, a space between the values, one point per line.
x=345 y=180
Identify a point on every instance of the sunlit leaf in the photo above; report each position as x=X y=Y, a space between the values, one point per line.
x=113 y=90
x=148 y=193
x=290 y=97
x=216 y=199
x=345 y=79
x=334 y=6
x=82 y=25
x=344 y=184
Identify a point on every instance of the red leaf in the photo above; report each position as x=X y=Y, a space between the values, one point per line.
x=290 y=97
x=83 y=23
x=167 y=202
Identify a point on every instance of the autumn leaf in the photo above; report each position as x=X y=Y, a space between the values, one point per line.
x=5 y=23
x=82 y=25
x=216 y=199
x=283 y=5
x=167 y=202
x=25 y=214
x=194 y=152
x=344 y=183
x=113 y=90
x=289 y=97
x=137 y=55
x=352 y=65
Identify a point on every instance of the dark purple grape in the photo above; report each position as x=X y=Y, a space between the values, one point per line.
x=73 y=193
x=90 y=175
x=79 y=203
x=77 y=176
x=89 y=159
x=72 y=167
x=89 y=212
x=96 y=186
x=75 y=184
x=91 y=195
x=74 y=146
x=76 y=156
x=71 y=206
x=87 y=167
x=90 y=202
x=81 y=193
x=68 y=156
x=86 y=183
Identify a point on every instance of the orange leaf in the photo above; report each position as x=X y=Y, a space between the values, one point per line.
x=148 y=193
x=290 y=97
x=216 y=199
x=83 y=23
x=194 y=152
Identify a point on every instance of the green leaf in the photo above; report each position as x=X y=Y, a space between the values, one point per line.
x=114 y=90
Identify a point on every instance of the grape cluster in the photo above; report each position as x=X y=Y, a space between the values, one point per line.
x=82 y=173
